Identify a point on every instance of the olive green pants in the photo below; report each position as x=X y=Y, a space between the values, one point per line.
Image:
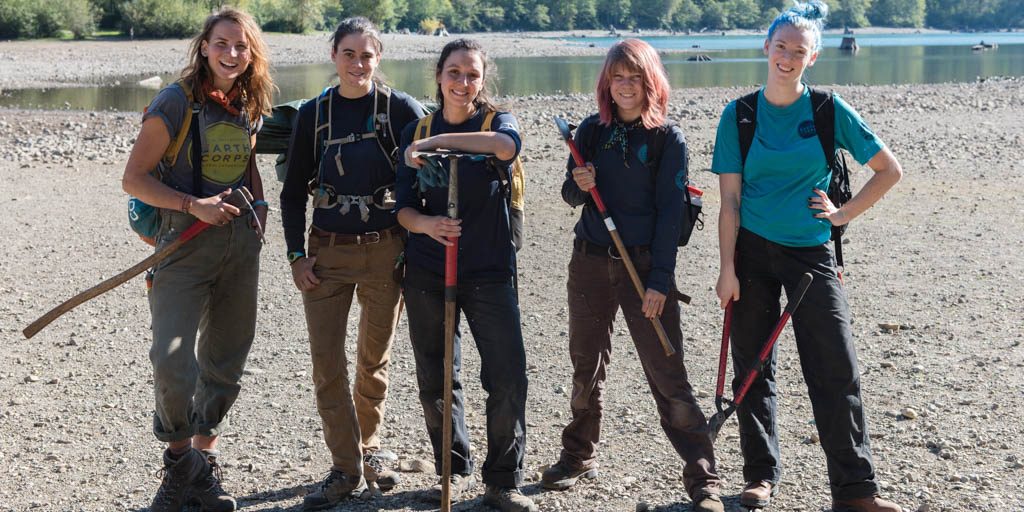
x=208 y=285
x=351 y=418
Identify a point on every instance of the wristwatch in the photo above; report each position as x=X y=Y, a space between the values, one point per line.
x=292 y=256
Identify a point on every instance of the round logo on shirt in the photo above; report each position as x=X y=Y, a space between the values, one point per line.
x=227 y=153
x=681 y=179
x=806 y=129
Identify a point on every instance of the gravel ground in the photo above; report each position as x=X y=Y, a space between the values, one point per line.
x=936 y=262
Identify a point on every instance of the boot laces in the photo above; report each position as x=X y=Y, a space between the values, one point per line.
x=333 y=476
x=170 y=487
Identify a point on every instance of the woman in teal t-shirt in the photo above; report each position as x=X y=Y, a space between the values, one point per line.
x=774 y=225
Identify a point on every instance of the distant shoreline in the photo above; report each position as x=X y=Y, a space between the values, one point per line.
x=51 y=63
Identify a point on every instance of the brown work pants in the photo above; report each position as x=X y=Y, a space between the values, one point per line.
x=351 y=418
x=598 y=286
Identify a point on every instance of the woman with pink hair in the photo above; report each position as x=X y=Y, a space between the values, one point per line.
x=639 y=161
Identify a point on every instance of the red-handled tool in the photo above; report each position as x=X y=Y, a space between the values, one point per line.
x=609 y=223
x=725 y=406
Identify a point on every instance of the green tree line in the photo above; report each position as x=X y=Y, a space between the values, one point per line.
x=181 y=18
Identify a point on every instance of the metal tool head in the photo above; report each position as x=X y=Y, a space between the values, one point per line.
x=717 y=421
x=564 y=128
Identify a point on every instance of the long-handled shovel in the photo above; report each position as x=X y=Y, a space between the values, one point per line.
x=239 y=197
x=451 y=279
x=566 y=133
x=718 y=419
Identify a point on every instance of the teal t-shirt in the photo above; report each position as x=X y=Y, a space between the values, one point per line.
x=785 y=163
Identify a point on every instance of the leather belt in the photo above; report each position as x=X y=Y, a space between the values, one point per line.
x=329 y=239
x=592 y=249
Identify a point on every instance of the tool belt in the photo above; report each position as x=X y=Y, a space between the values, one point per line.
x=320 y=238
x=592 y=249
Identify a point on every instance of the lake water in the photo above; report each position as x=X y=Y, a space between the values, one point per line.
x=736 y=61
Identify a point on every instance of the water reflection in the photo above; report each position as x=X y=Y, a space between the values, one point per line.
x=742 y=67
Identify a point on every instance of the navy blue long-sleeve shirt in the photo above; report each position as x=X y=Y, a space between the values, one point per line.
x=646 y=209
x=486 y=251
x=366 y=167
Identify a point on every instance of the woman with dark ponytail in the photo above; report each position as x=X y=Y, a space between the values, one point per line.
x=343 y=151
x=467 y=121
x=774 y=226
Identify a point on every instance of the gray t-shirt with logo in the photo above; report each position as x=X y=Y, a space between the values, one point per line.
x=225 y=139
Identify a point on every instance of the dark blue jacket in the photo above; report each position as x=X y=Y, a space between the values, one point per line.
x=485 y=247
x=645 y=205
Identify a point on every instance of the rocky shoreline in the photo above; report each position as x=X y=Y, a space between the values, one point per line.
x=933 y=278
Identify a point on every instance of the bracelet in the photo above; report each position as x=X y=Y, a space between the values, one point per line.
x=260 y=202
x=186 y=203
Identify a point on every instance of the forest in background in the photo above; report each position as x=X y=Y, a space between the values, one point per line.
x=182 y=18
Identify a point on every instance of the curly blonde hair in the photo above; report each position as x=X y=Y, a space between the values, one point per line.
x=255 y=84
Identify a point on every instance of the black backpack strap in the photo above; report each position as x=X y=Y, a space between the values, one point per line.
x=746 y=122
x=382 y=123
x=656 y=148
x=824 y=107
x=592 y=137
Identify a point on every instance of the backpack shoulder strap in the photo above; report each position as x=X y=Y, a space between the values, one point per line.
x=486 y=126
x=592 y=137
x=382 y=123
x=824 y=108
x=746 y=122
x=423 y=127
x=656 y=147
x=321 y=128
x=171 y=154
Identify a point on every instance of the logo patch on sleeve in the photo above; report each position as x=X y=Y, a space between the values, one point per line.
x=806 y=129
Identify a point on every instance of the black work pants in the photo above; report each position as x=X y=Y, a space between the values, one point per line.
x=492 y=311
x=821 y=325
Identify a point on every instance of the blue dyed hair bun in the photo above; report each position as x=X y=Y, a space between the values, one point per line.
x=808 y=15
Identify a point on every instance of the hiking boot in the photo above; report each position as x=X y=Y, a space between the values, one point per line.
x=337 y=487
x=508 y=499
x=207 y=492
x=562 y=476
x=179 y=474
x=377 y=469
x=459 y=485
x=758 y=494
x=707 y=502
x=869 y=504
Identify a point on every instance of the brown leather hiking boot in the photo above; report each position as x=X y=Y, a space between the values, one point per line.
x=708 y=503
x=869 y=504
x=562 y=476
x=337 y=487
x=508 y=499
x=758 y=494
x=377 y=469
x=460 y=484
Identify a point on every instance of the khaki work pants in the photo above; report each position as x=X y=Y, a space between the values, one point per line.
x=351 y=418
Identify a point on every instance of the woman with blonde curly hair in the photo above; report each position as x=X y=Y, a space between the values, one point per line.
x=208 y=285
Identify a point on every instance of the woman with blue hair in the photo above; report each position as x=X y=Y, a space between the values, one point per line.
x=774 y=226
